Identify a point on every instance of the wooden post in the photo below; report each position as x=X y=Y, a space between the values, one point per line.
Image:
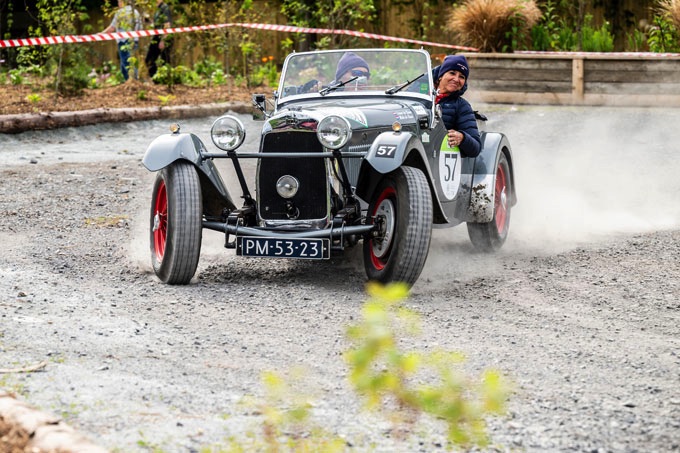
x=577 y=89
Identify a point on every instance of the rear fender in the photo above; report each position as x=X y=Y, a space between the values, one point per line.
x=482 y=197
x=168 y=148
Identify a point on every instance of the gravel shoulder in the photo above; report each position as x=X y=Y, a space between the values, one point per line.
x=580 y=309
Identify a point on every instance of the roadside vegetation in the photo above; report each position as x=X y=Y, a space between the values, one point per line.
x=243 y=57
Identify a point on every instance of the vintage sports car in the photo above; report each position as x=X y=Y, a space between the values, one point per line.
x=340 y=162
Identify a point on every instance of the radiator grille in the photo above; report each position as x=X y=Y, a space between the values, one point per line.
x=312 y=198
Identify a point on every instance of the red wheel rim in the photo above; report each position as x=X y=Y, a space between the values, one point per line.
x=501 y=199
x=379 y=262
x=160 y=221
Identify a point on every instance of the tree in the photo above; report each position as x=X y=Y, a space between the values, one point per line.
x=333 y=14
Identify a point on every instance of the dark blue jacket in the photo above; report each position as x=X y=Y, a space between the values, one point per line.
x=457 y=114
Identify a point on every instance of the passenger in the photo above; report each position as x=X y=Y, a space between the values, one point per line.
x=450 y=79
x=352 y=65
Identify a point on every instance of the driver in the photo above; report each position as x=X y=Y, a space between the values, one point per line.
x=352 y=65
x=450 y=79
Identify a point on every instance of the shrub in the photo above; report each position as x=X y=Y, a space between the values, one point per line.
x=75 y=77
x=637 y=41
x=60 y=18
x=207 y=67
x=191 y=78
x=402 y=385
x=556 y=34
x=544 y=34
x=494 y=25
x=167 y=75
x=218 y=77
x=15 y=77
x=265 y=73
x=34 y=98
x=596 y=39
x=406 y=383
x=664 y=35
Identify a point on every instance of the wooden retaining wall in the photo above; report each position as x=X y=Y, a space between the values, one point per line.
x=575 y=79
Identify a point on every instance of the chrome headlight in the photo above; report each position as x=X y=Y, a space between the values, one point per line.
x=287 y=186
x=227 y=133
x=334 y=132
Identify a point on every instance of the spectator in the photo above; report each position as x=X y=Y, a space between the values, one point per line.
x=450 y=79
x=159 y=49
x=126 y=18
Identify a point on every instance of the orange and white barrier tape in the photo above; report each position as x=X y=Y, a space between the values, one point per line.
x=72 y=39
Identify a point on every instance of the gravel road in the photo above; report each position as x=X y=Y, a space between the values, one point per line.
x=580 y=309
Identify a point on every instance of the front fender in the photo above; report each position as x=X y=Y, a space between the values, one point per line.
x=168 y=148
x=389 y=151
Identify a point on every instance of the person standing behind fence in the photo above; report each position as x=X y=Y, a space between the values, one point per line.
x=126 y=18
x=159 y=49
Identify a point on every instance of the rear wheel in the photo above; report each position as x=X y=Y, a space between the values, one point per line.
x=402 y=208
x=176 y=223
x=490 y=236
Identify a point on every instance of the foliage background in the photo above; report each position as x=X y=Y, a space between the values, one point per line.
x=252 y=57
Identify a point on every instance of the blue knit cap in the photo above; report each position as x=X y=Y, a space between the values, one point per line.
x=350 y=61
x=454 y=63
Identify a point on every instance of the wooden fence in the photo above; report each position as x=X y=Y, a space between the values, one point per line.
x=614 y=79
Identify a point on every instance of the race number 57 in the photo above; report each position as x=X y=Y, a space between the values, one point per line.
x=449 y=173
x=450 y=162
x=386 y=151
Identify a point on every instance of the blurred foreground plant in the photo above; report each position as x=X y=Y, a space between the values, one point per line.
x=287 y=417
x=408 y=384
x=403 y=385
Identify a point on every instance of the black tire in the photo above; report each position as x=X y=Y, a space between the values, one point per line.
x=403 y=206
x=490 y=236
x=176 y=223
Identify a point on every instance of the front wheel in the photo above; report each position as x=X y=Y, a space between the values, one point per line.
x=176 y=223
x=402 y=209
x=490 y=236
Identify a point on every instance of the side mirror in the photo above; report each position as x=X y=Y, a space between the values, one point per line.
x=259 y=107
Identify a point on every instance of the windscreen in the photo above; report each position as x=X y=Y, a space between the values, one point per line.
x=347 y=71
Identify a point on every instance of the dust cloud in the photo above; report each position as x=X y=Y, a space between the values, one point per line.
x=584 y=175
x=589 y=173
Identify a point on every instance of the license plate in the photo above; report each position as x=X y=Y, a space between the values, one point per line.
x=312 y=249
